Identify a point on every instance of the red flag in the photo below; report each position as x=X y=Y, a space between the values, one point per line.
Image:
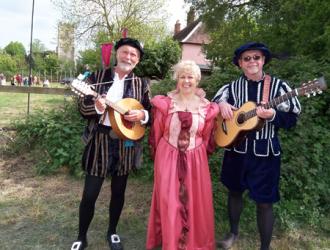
x=106 y=49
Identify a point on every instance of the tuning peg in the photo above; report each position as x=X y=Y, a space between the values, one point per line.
x=308 y=95
x=314 y=93
x=319 y=91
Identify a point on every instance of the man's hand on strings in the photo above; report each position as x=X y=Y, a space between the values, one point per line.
x=134 y=115
x=265 y=113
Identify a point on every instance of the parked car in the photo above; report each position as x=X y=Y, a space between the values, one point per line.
x=66 y=80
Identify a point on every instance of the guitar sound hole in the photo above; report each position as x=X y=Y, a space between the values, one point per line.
x=240 y=118
x=126 y=123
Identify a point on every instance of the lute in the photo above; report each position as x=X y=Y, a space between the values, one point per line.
x=124 y=129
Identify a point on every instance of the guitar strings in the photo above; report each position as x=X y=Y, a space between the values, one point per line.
x=101 y=83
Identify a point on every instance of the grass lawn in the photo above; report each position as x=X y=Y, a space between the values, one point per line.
x=41 y=212
x=15 y=105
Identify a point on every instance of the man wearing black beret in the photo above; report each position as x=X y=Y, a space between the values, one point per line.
x=105 y=153
x=253 y=164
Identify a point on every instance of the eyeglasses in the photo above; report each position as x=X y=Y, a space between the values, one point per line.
x=248 y=58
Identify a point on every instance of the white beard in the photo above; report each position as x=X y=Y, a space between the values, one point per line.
x=125 y=67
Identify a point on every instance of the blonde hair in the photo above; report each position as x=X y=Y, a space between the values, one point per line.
x=186 y=66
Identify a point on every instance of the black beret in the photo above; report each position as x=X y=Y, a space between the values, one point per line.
x=252 y=46
x=130 y=42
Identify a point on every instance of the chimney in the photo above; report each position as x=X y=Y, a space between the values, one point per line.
x=191 y=15
x=177 y=27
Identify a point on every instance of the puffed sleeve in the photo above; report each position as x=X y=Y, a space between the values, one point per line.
x=160 y=105
x=287 y=113
x=209 y=127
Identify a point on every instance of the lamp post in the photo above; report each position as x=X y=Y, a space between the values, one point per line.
x=30 y=57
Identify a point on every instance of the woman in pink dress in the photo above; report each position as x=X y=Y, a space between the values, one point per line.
x=181 y=215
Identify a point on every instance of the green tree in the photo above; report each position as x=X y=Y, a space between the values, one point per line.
x=157 y=61
x=285 y=25
x=7 y=65
x=159 y=58
x=92 y=57
x=17 y=51
x=38 y=46
x=142 y=18
x=52 y=63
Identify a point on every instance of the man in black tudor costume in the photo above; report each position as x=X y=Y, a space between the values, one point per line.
x=104 y=153
x=254 y=164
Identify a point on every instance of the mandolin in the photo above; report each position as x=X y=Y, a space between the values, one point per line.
x=230 y=132
x=124 y=129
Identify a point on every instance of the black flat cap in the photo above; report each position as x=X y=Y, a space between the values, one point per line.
x=130 y=42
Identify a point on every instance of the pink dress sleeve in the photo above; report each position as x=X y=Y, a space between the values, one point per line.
x=160 y=106
x=209 y=127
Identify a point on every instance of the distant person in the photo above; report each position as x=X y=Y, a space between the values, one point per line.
x=46 y=83
x=87 y=72
x=19 y=79
x=26 y=81
x=12 y=81
x=2 y=79
x=36 y=80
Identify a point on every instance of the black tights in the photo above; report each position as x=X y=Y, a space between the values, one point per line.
x=265 y=217
x=91 y=191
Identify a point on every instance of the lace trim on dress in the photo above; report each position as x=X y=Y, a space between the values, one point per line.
x=202 y=107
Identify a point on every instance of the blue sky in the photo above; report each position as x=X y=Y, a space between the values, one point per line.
x=15 y=21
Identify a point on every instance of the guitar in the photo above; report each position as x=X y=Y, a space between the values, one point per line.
x=230 y=132
x=124 y=129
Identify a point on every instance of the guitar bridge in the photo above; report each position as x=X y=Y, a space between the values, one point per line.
x=224 y=127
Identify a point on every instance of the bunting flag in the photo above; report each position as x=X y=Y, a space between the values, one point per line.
x=106 y=49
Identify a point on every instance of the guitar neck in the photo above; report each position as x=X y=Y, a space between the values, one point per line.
x=278 y=100
x=273 y=103
x=112 y=105
x=116 y=107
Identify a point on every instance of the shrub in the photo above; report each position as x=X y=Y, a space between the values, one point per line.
x=54 y=137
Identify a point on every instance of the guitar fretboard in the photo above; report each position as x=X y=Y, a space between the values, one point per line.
x=113 y=105
x=273 y=103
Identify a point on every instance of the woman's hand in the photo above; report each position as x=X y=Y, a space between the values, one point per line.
x=226 y=110
x=134 y=115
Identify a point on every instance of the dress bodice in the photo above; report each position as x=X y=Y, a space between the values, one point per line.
x=201 y=115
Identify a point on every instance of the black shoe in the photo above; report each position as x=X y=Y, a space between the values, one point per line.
x=228 y=241
x=79 y=245
x=114 y=242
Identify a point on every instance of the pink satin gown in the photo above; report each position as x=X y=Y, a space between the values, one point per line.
x=181 y=214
